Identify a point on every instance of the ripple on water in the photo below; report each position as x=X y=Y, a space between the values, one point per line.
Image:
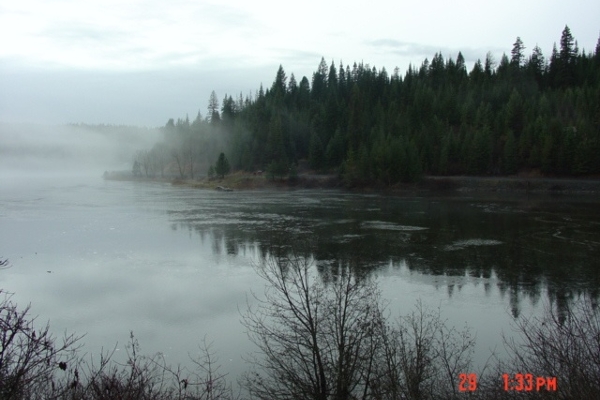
x=347 y=238
x=390 y=226
x=461 y=244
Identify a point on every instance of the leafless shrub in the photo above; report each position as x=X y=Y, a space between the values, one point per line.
x=35 y=365
x=140 y=377
x=148 y=378
x=30 y=357
x=563 y=345
x=423 y=358
x=207 y=380
x=314 y=341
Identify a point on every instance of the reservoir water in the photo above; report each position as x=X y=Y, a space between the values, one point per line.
x=175 y=264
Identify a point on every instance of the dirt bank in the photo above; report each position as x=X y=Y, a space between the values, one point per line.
x=518 y=184
x=250 y=181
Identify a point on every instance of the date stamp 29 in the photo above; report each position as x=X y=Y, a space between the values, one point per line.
x=467 y=382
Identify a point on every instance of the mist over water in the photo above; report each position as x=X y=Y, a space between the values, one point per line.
x=173 y=264
x=69 y=150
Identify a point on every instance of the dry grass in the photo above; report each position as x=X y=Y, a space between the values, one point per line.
x=237 y=181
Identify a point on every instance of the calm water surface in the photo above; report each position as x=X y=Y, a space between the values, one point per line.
x=174 y=265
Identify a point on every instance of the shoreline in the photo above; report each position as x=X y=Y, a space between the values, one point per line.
x=431 y=184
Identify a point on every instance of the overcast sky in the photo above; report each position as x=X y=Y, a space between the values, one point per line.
x=143 y=62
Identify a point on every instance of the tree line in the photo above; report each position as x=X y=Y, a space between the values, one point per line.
x=520 y=113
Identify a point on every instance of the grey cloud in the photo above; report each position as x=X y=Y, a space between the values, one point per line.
x=297 y=57
x=175 y=57
x=229 y=15
x=413 y=49
x=404 y=48
x=78 y=32
x=147 y=98
x=125 y=40
x=226 y=19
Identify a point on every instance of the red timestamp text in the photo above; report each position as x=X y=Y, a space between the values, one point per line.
x=467 y=382
x=515 y=382
x=529 y=382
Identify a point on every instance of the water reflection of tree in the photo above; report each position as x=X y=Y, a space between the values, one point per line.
x=526 y=261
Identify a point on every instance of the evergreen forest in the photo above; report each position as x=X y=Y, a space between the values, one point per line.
x=527 y=113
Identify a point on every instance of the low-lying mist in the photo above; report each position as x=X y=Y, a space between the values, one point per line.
x=69 y=149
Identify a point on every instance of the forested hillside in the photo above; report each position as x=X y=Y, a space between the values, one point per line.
x=522 y=112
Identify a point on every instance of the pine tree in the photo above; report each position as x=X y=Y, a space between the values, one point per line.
x=537 y=65
x=355 y=118
x=228 y=111
x=565 y=71
x=503 y=70
x=568 y=51
x=316 y=152
x=342 y=82
x=490 y=65
x=456 y=123
x=276 y=155
x=437 y=70
x=461 y=68
x=137 y=169
x=213 y=108
x=332 y=79
x=278 y=169
x=517 y=56
x=444 y=156
x=509 y=161
x=304 y=94
x=547 y=156
x=222 y=167
x=278 y=89
x=319 y=82
x=413 y=163
x=335 y=149
x=477 y=73
x=365 y=165
x=568 y=151
x=481 y=151
x=292 y=86
x=515 y=115
x=349 y=169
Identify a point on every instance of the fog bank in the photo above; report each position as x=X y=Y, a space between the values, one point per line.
x=30 y=149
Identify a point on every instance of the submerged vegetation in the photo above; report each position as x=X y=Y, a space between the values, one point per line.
x=316 y=339
x=520 y=113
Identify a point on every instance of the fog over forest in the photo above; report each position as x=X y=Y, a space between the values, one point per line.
x=249 y=200
x=69 y=149
x=525 y=113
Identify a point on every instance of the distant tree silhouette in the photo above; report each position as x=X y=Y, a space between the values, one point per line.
x=356 y=119
x=222 y=167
